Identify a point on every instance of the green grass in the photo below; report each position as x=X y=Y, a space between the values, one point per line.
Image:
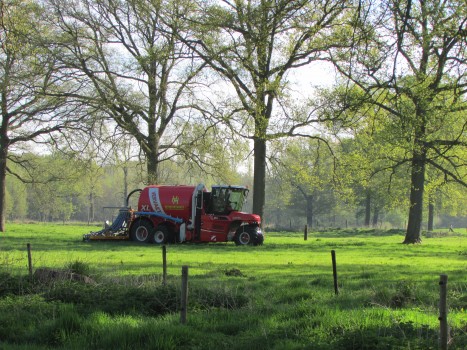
x=276 y=296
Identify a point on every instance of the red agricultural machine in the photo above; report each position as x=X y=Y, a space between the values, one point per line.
x=176 y=214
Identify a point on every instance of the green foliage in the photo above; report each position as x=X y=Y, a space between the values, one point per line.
x=66 y=188
x=417 y=112
x=303 y=182
x=16 y=201
x=18 y=22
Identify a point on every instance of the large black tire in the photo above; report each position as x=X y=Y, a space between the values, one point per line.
x=161 y=235
x=248 y=236
x=142 y=231
x=259 y=238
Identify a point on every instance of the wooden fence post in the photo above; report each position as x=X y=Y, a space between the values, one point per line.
x=29 y=260
x=184 y=301
x=443 y=313
x=334 y=272
x=305 y=234
x=164 y=265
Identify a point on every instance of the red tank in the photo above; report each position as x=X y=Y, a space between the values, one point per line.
x=174 y=201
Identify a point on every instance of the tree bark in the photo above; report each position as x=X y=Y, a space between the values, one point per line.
x=152 y=149
x=125 y=184
x=3 y=159
x=259 y=180
x=309 y=211
x=416 y=198
x=91 y=208
x=152 y=166
x=431 y=214
x=4 y=144
x=375 y=217
x=367 y=208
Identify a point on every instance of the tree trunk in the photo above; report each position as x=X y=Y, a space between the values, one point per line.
x=3 y=159
x=416 y=198
x=91 y=208
x=125 y=184
x=375 y=217
x=259 y=180
x=152 y=166
x=4 y=144
x=367 y=208
x=309 y=211
x=431 y=213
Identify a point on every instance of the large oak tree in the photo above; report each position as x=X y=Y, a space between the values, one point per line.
x=254 y=45
x=32 y=101
x=410 y=59
x=141 y=73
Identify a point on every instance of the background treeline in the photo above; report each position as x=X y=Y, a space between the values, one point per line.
x=298 y=193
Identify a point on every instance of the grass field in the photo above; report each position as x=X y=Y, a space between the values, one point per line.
x=276 y=296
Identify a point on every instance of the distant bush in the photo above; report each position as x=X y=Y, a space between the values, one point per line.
x=404 y=295
x=396 y=231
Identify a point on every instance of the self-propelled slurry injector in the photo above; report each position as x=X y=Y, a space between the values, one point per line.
x=176 y=214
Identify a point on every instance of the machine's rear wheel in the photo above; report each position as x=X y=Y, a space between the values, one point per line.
x=161 y=235
x=243 y=238
x=141 y=231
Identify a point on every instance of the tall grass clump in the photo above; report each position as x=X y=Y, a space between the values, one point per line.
x=78 y=266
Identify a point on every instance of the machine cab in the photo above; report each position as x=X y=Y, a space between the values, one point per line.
x=225 y=199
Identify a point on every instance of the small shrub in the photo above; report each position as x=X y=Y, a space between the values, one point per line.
x=14 y=285
x=402 y=295
x=405 y=294
x=234 y=273
x=397 y=231
x=79 y=267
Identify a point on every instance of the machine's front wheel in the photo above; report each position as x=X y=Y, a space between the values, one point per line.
x=141 y=231
x=248 y=236
x=161 y=235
